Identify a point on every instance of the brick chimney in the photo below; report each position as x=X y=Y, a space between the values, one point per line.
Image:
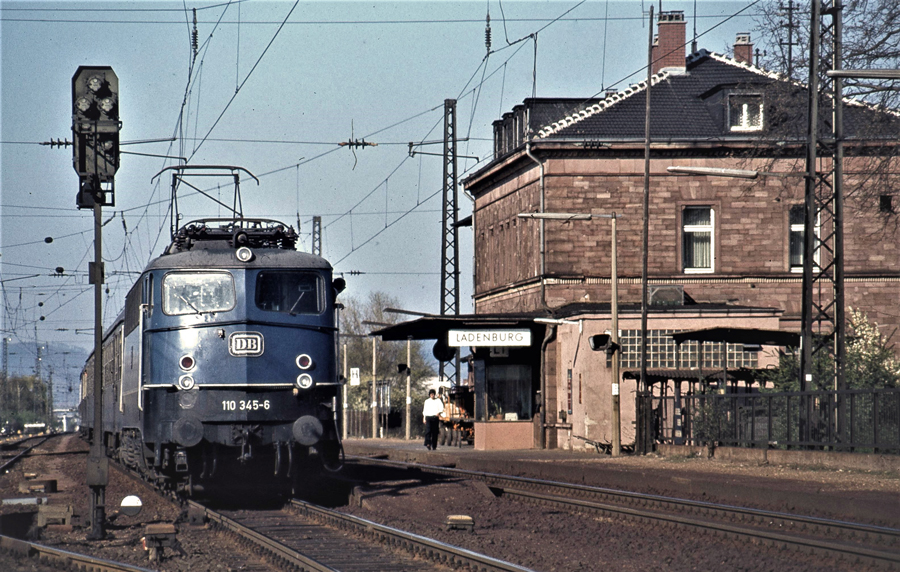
x=668 y=48
x=743 y=48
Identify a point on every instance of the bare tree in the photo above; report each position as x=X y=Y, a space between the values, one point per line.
x=871 y=40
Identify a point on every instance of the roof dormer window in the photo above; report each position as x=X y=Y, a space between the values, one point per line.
x=745 y=112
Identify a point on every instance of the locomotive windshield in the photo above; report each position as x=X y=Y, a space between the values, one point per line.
x=289 y=292
x=197 y=293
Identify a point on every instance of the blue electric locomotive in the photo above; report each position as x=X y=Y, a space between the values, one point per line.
x=223 y=361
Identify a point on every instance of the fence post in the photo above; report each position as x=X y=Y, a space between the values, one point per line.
x=716 y=407
x=735 y=415
x=677 y=422
x=753 y=421
x=788 y=413
x=875 y=440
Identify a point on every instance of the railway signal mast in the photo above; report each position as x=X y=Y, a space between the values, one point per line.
x=95 y=157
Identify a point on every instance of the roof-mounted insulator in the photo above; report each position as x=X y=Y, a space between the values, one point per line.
x=252 y=233
x=195 y=36
x=487 y=34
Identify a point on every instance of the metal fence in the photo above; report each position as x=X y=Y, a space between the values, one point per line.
x=390 y=425
x=852 y=420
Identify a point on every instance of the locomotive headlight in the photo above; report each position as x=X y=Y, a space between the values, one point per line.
x=304 y=381
x=187 y=363
x=304 y=361
x=185 y=382
x=244 y=254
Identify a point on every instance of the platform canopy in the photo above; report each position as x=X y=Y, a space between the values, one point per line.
x=740 y=336
x=748 y=375
x=435 y=327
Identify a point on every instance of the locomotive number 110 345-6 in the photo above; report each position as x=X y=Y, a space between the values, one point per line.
x=245 y=405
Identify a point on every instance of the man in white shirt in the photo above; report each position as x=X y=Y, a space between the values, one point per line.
x=431 y=414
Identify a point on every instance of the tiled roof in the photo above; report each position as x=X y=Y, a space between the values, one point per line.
x=684 y=106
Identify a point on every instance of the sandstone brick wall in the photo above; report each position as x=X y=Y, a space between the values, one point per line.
x=751 y=232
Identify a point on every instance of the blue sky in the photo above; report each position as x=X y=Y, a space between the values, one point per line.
x=274 y=88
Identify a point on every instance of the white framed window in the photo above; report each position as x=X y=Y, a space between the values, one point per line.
x=697 y=239
x=797 y=220
x=745 y=112
x=662 y=352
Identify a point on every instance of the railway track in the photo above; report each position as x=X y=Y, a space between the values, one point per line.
x=49 y=558
x=311 y=538
x=9 y=463
x=866 y=544
x=42 y=557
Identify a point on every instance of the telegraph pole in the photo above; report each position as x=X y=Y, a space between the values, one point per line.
x=344 y=392
x=408 y=383
x=5 y=361
x=374 y=393
x=98 y=465
x=614 y=310
x=642 y=440
x=38 y=357
x=611 y=343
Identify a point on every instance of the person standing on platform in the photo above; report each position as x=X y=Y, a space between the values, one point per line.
x=431 y=413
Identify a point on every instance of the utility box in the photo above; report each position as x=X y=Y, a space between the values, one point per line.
x=38 y=486
x=157 y=537
x=97 y=471
x=55 y=514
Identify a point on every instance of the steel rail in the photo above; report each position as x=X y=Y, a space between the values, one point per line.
x=8 y=464
x=574 y=494
x=63 y=559
x=852 y=552
x=275 y=549
x=421 y=546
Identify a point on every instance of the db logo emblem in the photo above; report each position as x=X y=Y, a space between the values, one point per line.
x=245 y=344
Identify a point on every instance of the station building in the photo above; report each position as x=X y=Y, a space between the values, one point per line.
x=722 y=252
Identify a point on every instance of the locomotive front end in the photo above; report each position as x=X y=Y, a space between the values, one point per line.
x=238 y=360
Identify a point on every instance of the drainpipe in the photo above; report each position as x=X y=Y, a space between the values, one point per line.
x=548 y=337
x=551 y=329
x=540 y=226
x=474 y=234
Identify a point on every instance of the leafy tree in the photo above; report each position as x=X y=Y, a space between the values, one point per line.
x=870 y=356
x=357 y=345
x=24 y=399
x=870 y=361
